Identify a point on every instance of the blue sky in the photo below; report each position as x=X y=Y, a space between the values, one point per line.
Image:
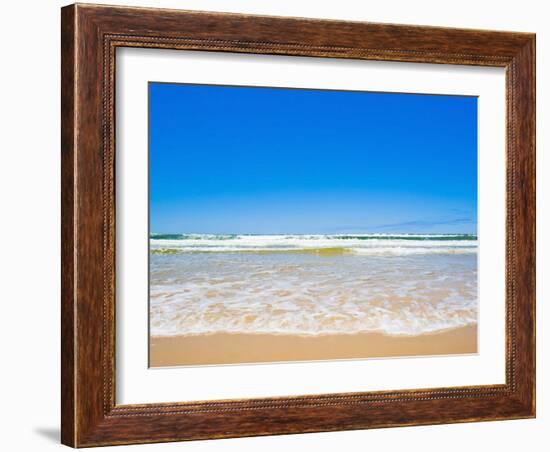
x=274 y=160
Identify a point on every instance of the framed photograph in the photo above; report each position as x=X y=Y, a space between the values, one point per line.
x=280 y=225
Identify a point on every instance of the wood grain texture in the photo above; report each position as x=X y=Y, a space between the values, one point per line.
x=90 y=36
x=68 y=147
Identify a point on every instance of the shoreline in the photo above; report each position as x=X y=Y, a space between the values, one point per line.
x=244 y=348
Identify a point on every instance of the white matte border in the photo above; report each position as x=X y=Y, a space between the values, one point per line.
x=136 y=383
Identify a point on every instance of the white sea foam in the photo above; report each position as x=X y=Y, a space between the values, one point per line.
x=266 y=284
x=366 y=244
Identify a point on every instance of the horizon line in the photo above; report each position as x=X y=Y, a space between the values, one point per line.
x=314 y=233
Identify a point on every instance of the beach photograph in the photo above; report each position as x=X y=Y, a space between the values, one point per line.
x=294 y=224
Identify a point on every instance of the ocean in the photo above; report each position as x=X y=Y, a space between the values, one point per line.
x=397 y=284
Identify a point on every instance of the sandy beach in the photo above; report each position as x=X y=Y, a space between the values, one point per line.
x=231 y=348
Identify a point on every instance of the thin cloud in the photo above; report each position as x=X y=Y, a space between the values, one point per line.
x=406 y=226
x=420 y=223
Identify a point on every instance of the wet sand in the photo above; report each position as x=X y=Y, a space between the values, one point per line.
x=228 y=348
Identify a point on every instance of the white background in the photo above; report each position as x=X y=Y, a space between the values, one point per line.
x=29 y=181
x=138 y=384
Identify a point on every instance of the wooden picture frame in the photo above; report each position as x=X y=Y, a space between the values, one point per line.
x=90 y=35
